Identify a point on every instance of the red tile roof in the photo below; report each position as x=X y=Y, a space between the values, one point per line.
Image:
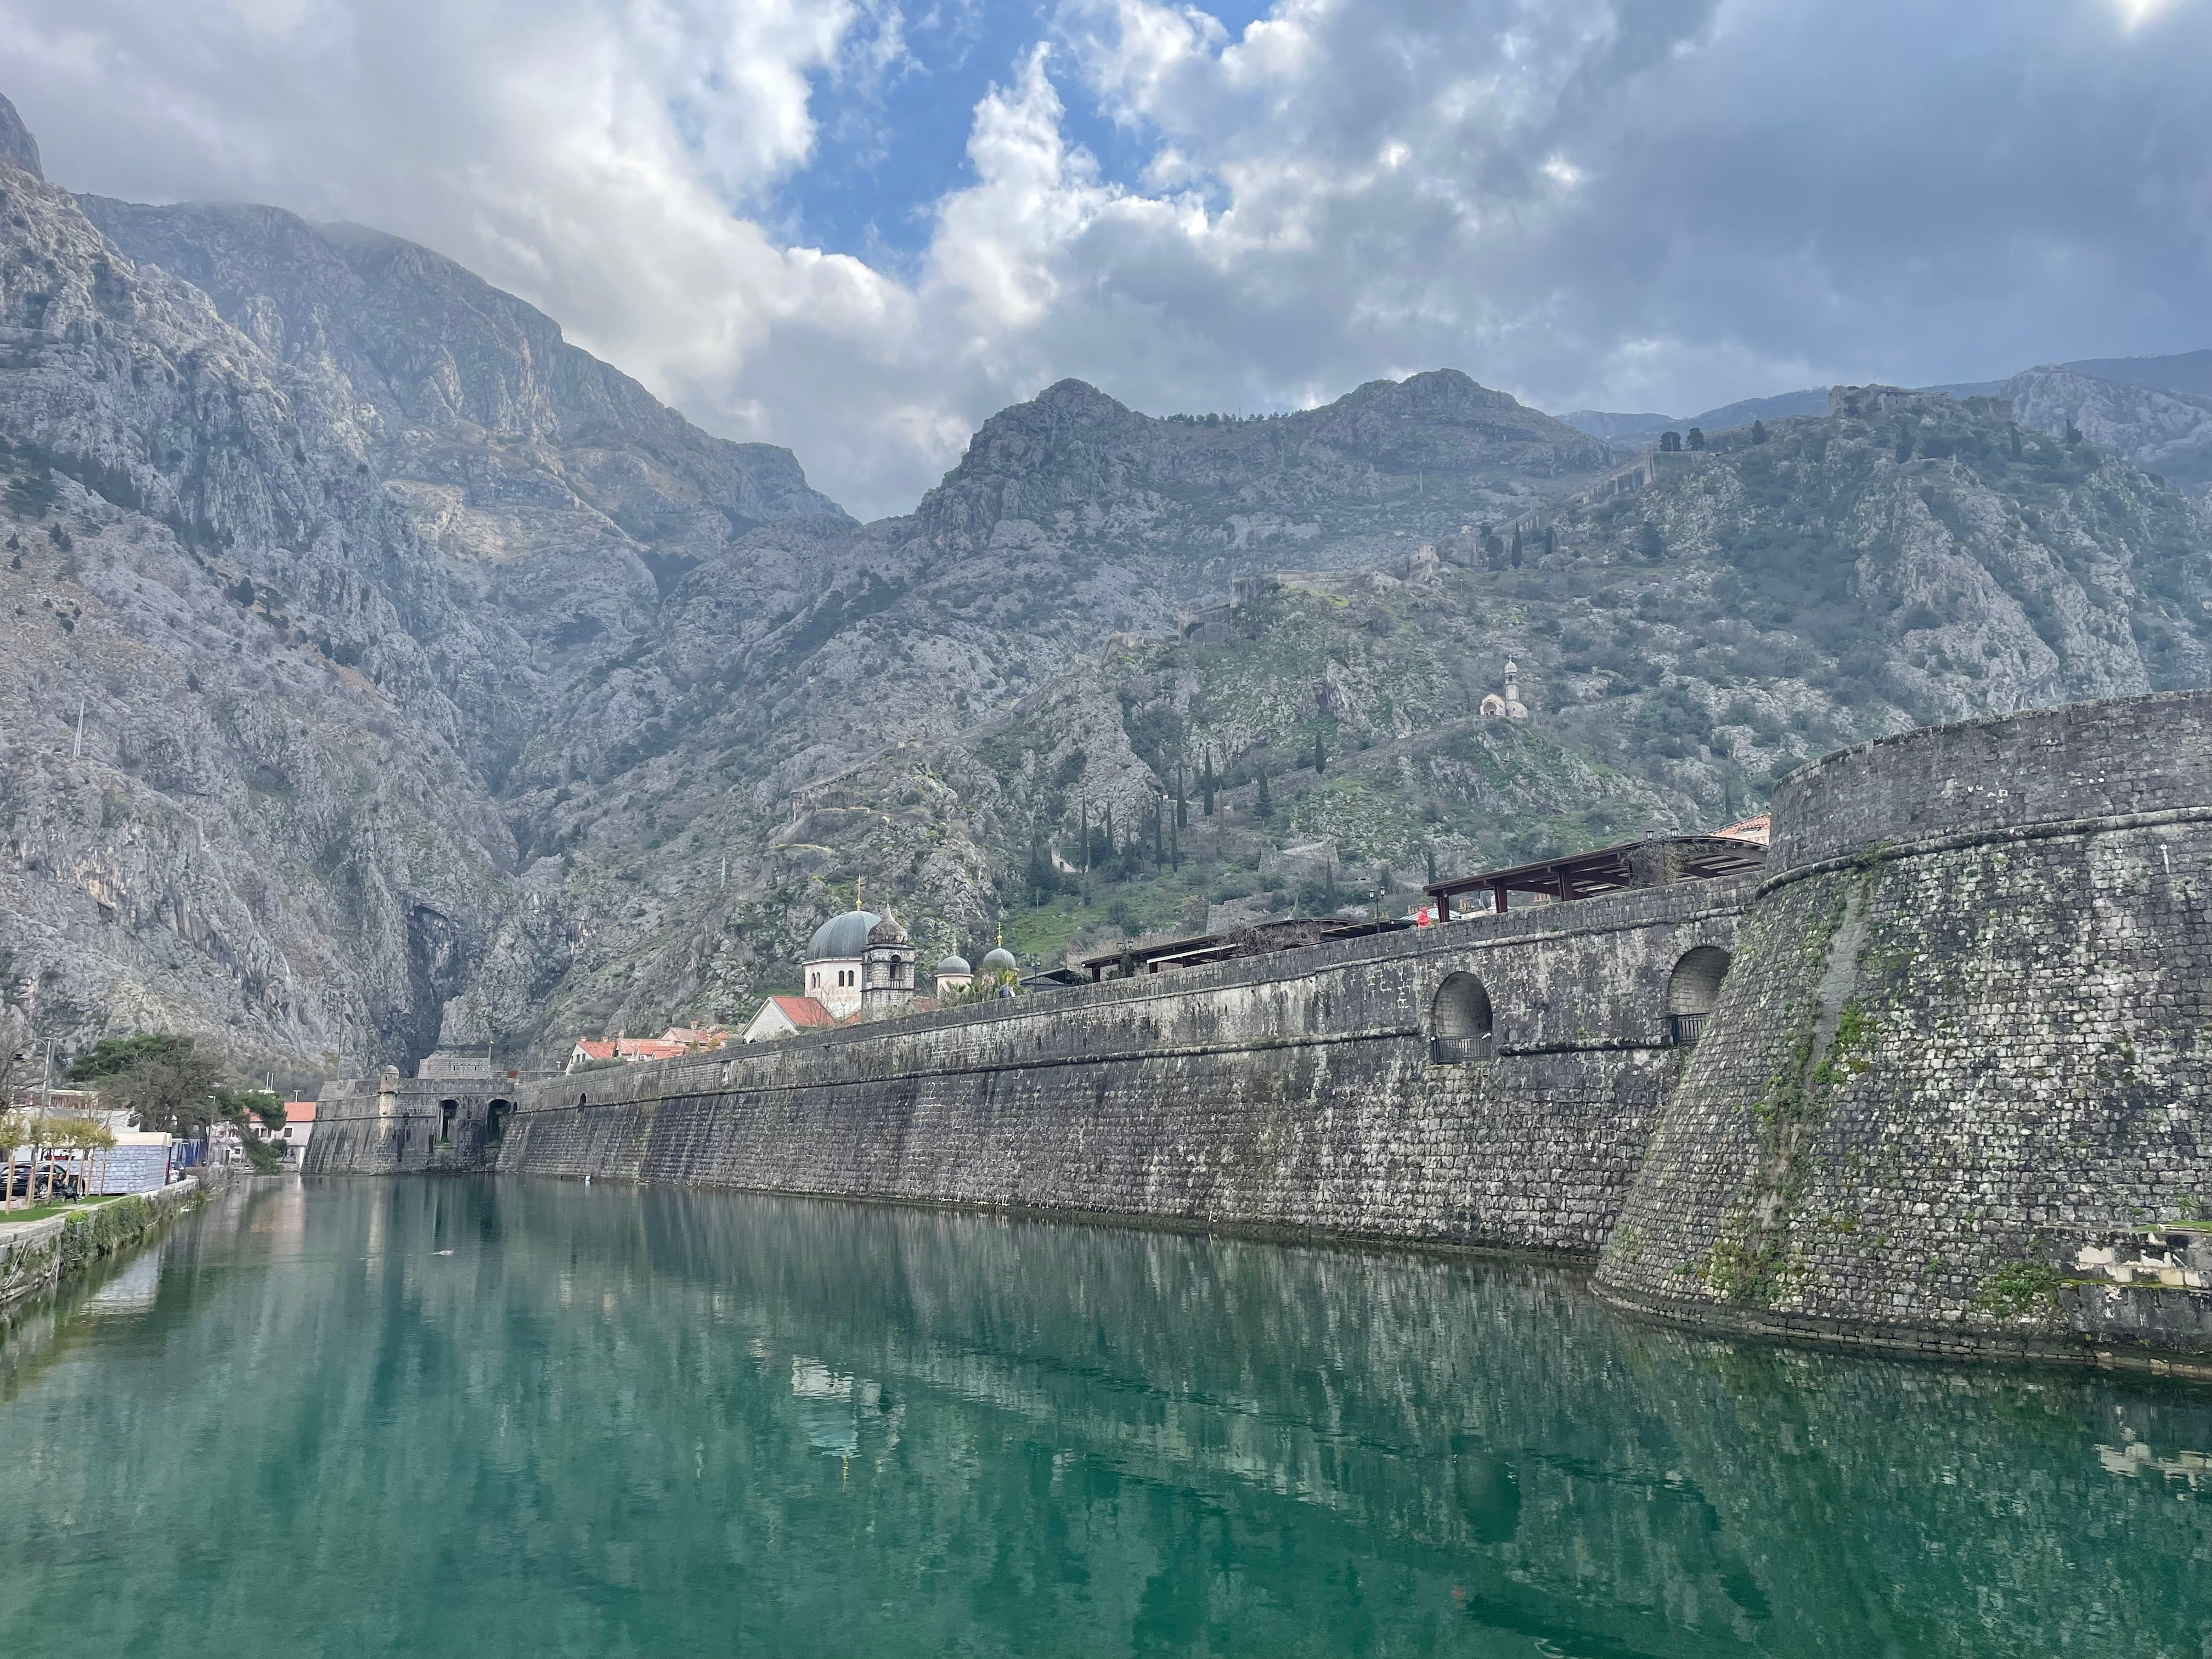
x=592 y=1049
x=803 y=1012
x=299 y=1111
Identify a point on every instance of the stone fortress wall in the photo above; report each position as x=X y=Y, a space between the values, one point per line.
x=1951 y=1095
x=1295 y=1091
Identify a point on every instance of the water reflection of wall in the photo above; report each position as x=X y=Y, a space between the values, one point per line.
x=661 y=1420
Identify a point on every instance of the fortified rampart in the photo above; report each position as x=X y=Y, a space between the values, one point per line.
x=1296 y=1091
x=1949 y=1095
x=1954 y=1093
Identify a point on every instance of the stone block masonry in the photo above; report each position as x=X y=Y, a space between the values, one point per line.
x=1294 y=1092
x=35 y=1255
x=1963 y=1041
x=1952 y=1098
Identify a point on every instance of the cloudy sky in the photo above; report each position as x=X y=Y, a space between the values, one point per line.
x=857 y=226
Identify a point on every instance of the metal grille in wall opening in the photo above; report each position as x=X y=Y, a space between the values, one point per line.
x=1460 y=1023
x=1692 y=989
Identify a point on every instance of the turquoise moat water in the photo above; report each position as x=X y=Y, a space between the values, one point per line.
x=482 y=1418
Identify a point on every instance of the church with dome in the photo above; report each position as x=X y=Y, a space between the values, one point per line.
x=860 y=965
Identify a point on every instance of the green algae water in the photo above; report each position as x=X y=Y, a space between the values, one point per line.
x=489 y=1419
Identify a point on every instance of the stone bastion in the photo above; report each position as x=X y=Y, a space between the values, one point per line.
x=1935 y=1079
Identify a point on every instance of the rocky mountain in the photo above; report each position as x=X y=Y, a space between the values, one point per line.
x=2157 y=410
x=274 y=607
x=2168 y=432
x=1634 y=431
x=1905 y=559
x=382 y=671
x=2185 y=370
x=710 y=781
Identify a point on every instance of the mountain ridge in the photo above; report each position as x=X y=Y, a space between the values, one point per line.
x=440 y=686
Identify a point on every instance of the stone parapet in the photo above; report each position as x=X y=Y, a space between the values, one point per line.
x=1293 y=1091
x=1952 y=1096
x=1961 y=1048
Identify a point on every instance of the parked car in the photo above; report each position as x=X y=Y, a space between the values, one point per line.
x=53 y=1180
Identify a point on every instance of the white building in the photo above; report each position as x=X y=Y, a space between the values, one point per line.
x=780 y=1017
x=1509 y=707
x=833 y=961
x=860 y=963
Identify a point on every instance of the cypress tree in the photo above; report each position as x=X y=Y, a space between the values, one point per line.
x=1265 y=807
x=1320 y=755
x=1208 y=782
x=1758 y=432
x=1551 y=541
x=1516 y=547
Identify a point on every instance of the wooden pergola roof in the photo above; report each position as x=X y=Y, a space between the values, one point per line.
x=1651 y=863
x=1261 y=940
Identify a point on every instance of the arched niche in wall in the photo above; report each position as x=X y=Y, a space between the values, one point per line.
x=1460 y=1022
x=1692 y=990
x=496 y=1116
x=448 y=1110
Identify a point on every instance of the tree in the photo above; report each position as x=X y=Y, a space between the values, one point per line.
x=1758 y=432
x=169 y=1084
x=81 y=1135
x=1516 y=547
x=1264 y=807
x=1697 y=437
x=1551 y=541
x=1904 y=444
x=1650 y=543
x=1321 y=754
x=1670 y=441
x=2073 y=433
x=1208 y=782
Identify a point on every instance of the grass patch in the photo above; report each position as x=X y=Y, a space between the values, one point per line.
x=40 y=1212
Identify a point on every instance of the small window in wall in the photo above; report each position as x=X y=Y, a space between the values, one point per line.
x=1692 y=990
x=1460 y=1022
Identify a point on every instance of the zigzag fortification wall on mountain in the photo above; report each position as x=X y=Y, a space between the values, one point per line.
x=1951 y=1096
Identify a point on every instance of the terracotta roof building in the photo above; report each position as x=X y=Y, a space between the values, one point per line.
x=784 y=1016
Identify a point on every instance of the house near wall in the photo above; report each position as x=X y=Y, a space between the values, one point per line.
x=590 y=1051
x=677 y=1041
x=697 y=1038
x=299 y=1125
x=787 y=1016
x=635 y=1051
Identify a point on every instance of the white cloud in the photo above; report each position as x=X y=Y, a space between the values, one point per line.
x=1658 y=203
